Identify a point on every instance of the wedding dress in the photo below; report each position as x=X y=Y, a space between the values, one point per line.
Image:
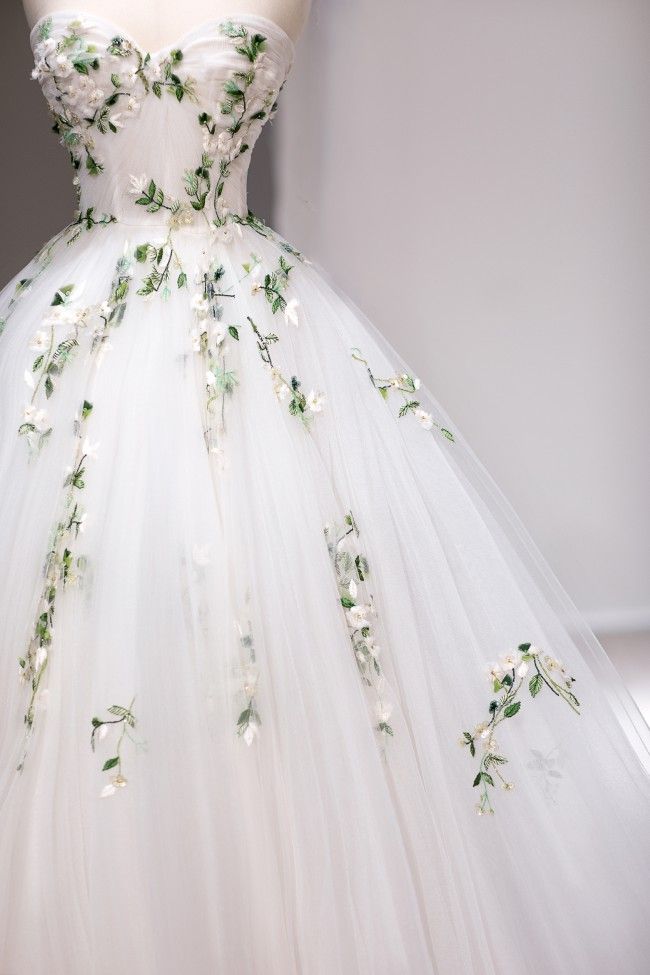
x=286 y=688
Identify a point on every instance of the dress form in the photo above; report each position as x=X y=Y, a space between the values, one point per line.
x=161 y=22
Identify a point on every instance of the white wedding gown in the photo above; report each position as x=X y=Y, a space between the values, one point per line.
x=258 y=597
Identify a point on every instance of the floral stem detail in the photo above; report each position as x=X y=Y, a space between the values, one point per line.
x=272 y=285
x=212 y=341
x=299 y=405
x=52 y=356
x=407 y=386
x=162 y=260
x=249 y=721
x=508 y=676
x=352 y=570
x=124 y=720
x=61 y=568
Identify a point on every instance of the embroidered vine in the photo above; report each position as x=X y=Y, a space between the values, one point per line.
x=211 y=341
x=249 y=720
x=52 y=356
x=299 y=405
x=507 y=677
x=62 y=568
x=352 y=571
x=161 y=260
x=407 y=386
x=124 y=720
x=273 y=284
x=86 y=100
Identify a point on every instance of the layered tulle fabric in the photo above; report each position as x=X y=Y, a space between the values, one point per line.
x=254 y=585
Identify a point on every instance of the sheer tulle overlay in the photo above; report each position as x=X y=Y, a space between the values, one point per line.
x=254 y=586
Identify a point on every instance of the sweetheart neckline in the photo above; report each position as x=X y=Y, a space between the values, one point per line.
x=240 y=17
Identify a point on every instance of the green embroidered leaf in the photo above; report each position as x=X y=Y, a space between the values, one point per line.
x=233 y=332
x=512 y=709
x=110 y=763
x=535 y=684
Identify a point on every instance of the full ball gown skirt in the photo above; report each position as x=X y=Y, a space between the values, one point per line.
x=286 y=689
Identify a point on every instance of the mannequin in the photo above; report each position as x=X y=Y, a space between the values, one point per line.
x=154 y=25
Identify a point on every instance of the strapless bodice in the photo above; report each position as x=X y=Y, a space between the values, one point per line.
x=162 y=137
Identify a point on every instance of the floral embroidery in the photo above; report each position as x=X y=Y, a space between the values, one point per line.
x=508 y=675
x=124 y=719
x=43 y=258
x=408 y=386
x=62 y=568
x=82 y=106
x=547 y=768
x=258 y=225
x=165 y=78
x=211 y=341
x=299 y=405
x=352 y=571
x=52 y=356
x=79 y=105
x=249 y=721
x=272 y=285
x=160 y=259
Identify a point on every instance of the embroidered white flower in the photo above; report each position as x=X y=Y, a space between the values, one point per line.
x=495 y=671
x=280 y=387
x=251 y=732
x=383 y=711
x=139 y=184
x=291 y=311
x=29 y=379
x=40 y=342
x=424 y=419
x=315 y=401
x=358 y=616
x=225 y=233
x=38 y=418
x=257 y=279
x=200 y=305
x=63 y=66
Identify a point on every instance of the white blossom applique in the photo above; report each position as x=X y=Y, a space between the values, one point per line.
x=54 y=345
x=211 y=341
x=352 y=571
x=249 y=720
x=305 y=407
x=507 y=677
x=116 y=729
x=62 y=567
x=407 y=386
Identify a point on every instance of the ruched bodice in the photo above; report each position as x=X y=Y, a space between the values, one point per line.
x=162 y=137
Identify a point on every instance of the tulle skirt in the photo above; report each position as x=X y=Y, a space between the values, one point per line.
x=286 y=689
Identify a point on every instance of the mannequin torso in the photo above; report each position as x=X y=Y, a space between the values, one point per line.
x=157 y=24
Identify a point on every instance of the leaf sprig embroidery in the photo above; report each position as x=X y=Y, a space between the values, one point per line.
x=508 y=677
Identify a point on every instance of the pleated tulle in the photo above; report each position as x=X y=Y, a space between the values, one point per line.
x=314 y=844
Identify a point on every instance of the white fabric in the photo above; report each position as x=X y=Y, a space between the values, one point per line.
x=323 y=846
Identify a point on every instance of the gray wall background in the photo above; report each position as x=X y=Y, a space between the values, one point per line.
x=475 y=176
